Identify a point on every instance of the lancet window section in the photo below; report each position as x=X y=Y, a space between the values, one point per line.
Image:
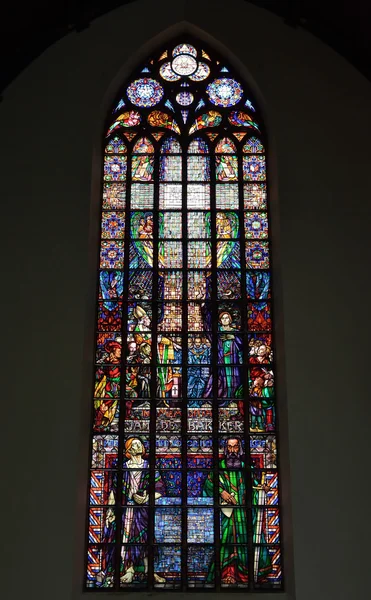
x=183 y=472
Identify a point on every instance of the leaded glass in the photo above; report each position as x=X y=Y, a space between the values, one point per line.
x=170 y=146
x=143 y=146
x=116 y=146
x=184 y=64
x=158 y=118
x=203 y=72
x=198 y=146
x=241 y=119
x=170 y=168
x=253 y=146
x=198 y=168
x=254 y=168
x=225 y=146
x=142 y=168
x=184 y=98
x=183 y=445
x=210 y=119
x=226 y=168
x=145 y=92
x=224 y=92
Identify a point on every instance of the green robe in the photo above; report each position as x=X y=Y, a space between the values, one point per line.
x=233 y=559
x=233 y=528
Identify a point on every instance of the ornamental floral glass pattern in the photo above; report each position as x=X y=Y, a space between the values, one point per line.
x=184 y=489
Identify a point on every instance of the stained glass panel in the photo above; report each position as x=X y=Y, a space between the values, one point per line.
x=170 y=168
x=198 y=146
x=184 y=379
x=254 y=168
x=170 y=225
x=142 y=168
x=143 y=146
x=115 y=168
x=170 y=146
x=255 y=196
x=198 y=196
x=198 y=168
x=226 y=168
x=225 y=146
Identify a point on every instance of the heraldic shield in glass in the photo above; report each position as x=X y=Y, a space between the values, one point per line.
x=184 y=489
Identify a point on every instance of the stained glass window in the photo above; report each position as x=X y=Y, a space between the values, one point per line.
x=184 y=488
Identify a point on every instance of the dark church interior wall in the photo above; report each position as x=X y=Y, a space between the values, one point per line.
x=317 y=110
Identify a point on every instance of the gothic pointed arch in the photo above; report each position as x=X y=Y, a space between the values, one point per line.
x=183 y=470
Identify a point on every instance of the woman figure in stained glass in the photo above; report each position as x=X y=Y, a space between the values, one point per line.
x=229 y=353
x=261 y=405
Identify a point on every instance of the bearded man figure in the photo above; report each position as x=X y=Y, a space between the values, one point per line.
x=233 y=523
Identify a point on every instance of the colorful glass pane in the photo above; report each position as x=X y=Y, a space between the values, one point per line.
x=255 y=196
x=141 y=196
x=203 y=72
x=114 y=195
x=115 y=168
x=167 y=72
x=227 y=225
x=143 y=146
x=199 y=225
x=209 y=119
x=239 y=136
x=254 y=168
x=225 y=146
x=257 y=255
x=184 y=382
x=198 y=168
x=126 y=119
x=184 y=64
x=170 y=225
x=116 y=146
x=145 y=92
x=256 y=225
x=112 y=254
x=170 y=146
x=224 y=92
x=198 y=196
x=184 y=49
x=226 y=196
x=241 y=119
x=113 y=224
x=253 y=146
x=142 y=168
x=160 y=119
x=170 y=168
x=184 y=98
x=226 y=168
x=198 y=146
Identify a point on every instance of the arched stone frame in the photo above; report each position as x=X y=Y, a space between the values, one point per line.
x=136 y=59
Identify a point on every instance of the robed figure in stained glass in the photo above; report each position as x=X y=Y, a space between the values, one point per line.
x=233 y=523
x=135 y=484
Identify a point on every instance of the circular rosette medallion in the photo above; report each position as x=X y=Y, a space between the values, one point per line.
x=145 y=92
x=224 y=92
x=184 y=65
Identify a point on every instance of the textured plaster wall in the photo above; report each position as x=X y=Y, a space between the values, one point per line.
x=317 y=111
